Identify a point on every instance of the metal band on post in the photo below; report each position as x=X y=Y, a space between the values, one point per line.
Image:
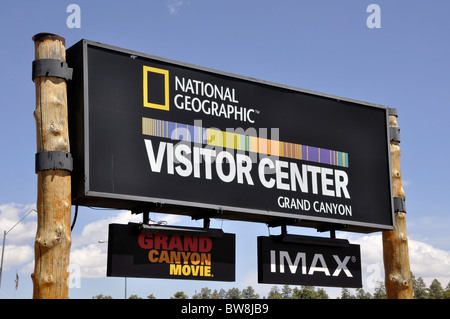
x=54 y=160
x=393 y=111
x=399 y=204
x=51 y=67
x=394 y=134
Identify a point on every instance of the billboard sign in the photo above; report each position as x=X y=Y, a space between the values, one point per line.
x=308 y=264
x=154 y=134
x=134 y=251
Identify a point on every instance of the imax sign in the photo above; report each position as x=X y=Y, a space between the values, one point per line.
x=284 y=262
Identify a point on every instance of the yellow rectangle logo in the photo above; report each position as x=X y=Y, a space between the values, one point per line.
x=150 y=93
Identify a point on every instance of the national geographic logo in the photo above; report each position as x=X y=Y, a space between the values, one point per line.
x=156 y=88
x=193 y=95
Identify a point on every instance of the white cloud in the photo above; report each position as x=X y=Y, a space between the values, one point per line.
x=426 y=261
x=20 y=233
x=89 y=250
x=174 y=5
x=429 y=262
x=17 y=255
x=371 y=260
x=98 y=230
x=91 y=260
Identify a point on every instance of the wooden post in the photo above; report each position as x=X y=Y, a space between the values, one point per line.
x=395 y=243
x=53 y=238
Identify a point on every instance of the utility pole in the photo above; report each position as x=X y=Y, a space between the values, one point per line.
x=395 y=242
x=53 y=167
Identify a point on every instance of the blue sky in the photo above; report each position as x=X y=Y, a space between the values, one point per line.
x=324 y=46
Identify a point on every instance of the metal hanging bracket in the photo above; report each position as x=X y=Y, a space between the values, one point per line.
x=190 y=231
x=283 y=222
x=309 y=240
x=206 y=215
x=51 y=67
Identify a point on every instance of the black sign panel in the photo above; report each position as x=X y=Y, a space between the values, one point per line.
x=149 y=133
x=281 y=262
x=147 y=253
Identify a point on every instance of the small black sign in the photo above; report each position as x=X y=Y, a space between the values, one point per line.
x=134 y=251
x=281 y=262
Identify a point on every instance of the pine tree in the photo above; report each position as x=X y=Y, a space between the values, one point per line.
x=447 y=291
x=361 y=294
x=380 y=291
x=179 y=295
x=274 y=293
x=286 y=292
x=435 y=291
x=345 y=294
x=101 y=296
x=306 y=292
x=205 y=293
x=321 y=294
x=218 y=294
x=233 y=293
x=249 y=293
x=419 y=288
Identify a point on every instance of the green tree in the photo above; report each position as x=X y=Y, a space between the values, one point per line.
x=134 y=297
x=286 y=292
x=419 y=288
x=346 y=294
x=447 y=291
x=102 y=297
x=274 y=293
x=151 y=296
x=321 y=294
x=306 y=292
x=205 y=293
x=179 y=295
x=296 y=293
x=361 y=294
x=233 y=293
x=380 y=291
x=249 y=293
x=218 y=294
x=435 y=291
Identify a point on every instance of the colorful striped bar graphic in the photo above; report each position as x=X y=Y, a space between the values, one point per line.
x=231 y=140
